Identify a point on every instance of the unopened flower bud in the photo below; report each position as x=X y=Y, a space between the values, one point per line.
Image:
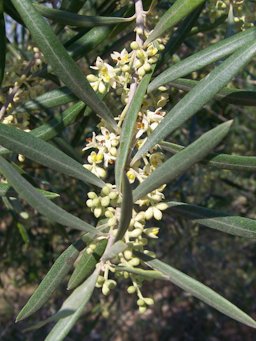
x=131 y=289
x=141 y=71
x=134 y=261
x=97 y=212
x=140 y=302
x=148 y=300
x=134 y=45
x=91 y=195
x=105 y=201
x=105 y=289
x=128 y=254
x=92 y=78
x=147 y=67
x=135 y=233
x=89 y=203
x=142 y=309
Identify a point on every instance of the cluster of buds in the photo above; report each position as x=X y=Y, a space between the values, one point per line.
x=242 y=17
x=104 y=205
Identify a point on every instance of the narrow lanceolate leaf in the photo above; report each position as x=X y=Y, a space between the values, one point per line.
x=72 y=19
x=54 y=126
x=74 y=307
x=226 y=95
x=40 y=151
x=145 y=274
x=201 y=291
x=221 y=161
x=62 y=64
x=6 y=190
x=86 y=264
x=27 y=192
x=72 y=5
x=126 y=208
x=235 y=225
x=2 y=42
x=204 y=57
x=182 y=161
x=178 y=11
x=128 y=128
x=48 y=100
x=112 y=251
x=180 y=34
x=206 y=89
x=52 y=280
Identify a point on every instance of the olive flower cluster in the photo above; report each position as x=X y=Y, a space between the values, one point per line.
x=104 y=147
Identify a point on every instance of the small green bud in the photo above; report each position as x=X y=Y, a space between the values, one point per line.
x=105 y=289
x=113 y=195
x=142 y=309
x=128 y=254
x=105 y=190
x=141 y=71
x=92 y=195
x=109 y=214
x=134 y=45
x=131 y=289
x=92 y=78
x=125 y=68
x=100 y=280
x=138 y=63
x=149 y=300
x=97 y=212
x=152 y=60
x=135 y=233
x=140 y=302
x=96 y=202
x=134 y=262
x=147 y=67
x=105 y=201
x=89 y=203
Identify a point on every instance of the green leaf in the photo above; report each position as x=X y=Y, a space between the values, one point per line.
x=6 y=190
x=52 y=280
x=48 y=100
x=206 y=89
x=2 y=42
x=221 y=161
x=40 y=151
x=183 y=160
x=58 y=123
x=145 y=274
x=74 y=305
x=27 y=192
x=86 y=264
x=180 y=35
x=201 y=291
x=62 y=64
x=204 y=57
x=128 y=128
x=112 y=251
x=71 y=19
x=226 y=95
x=72 y=5
x=235 y=225
x=126 y=208
x=178 y=11
x=50 y=129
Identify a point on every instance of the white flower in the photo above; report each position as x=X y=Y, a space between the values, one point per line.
x=121 y=58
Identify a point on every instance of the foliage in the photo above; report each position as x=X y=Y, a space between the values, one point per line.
x=133 y=114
